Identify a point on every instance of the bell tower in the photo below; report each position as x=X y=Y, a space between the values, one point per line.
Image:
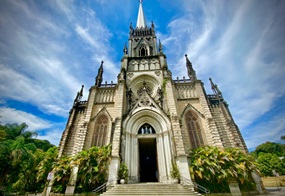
x=150 y=103
x=142 y=39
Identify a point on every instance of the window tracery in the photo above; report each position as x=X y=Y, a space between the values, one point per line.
x=146 y=129
x=194 y=129
x=143 y=50
x=100 y=132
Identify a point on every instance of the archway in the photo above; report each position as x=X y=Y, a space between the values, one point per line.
x=155 y=140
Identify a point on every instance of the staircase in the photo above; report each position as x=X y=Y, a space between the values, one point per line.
x=149 y=189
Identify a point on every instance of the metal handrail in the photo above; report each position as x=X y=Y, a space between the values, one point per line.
x=198 y=186
x=102 y=187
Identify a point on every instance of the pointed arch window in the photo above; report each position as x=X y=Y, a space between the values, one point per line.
x=143 y=50
x=101 y=131
x=194 y=129
x=146 y=129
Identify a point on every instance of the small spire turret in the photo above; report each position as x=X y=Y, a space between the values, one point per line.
x=99 y=77
x=215 y=88
x=160 y=47
x=79 y=95
x=125 y=50
x=191 y=71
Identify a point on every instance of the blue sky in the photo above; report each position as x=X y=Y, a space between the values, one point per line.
x=48 y=49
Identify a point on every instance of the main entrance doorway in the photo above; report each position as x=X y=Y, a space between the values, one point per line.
x=148 y=160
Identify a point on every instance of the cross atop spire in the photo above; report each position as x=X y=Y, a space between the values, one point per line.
x=141 y=22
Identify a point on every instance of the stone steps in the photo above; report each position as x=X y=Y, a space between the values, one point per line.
x=149 y=189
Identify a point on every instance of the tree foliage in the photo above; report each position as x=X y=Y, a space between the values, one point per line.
x=19 y=157
x=270 y=147
x=267 y=162
x=26 y=162
x=46 y=165
x=93 y=167
x=215 y=167
x=269 y=157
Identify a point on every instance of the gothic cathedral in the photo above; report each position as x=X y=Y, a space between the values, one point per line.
x=151 y=120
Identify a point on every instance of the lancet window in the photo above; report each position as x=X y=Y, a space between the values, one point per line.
x=194 y=129
x=143 y=50
x=146 y=129
x=101 y=131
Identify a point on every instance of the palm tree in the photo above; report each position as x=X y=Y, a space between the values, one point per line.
x=16 y=157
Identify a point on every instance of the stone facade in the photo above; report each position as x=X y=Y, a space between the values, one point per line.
x=146 y=107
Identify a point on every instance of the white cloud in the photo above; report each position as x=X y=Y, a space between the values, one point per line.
x=240 y=46
x=25 y=89
x=46 y=54
x=52 y=136
x=10 y=115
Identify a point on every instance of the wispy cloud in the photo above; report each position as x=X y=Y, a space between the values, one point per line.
x=9 y=115
x=45 y=62
x=35 y=123
x=48 y=49
x=239 y=46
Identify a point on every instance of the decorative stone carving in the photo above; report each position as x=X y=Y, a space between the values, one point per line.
x=144 y=88
x=130 y=75
x=175 y=118
x=157 y=73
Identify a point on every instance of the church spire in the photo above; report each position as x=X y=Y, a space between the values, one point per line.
x=99 y=77
x=141 y=22
x=191 y=71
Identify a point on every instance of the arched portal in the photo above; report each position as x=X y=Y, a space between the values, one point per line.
x=147 y=130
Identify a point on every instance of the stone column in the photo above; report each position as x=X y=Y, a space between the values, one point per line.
x=113 y=171
x=72 y=182
x=258 y=182
x=234 y=188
